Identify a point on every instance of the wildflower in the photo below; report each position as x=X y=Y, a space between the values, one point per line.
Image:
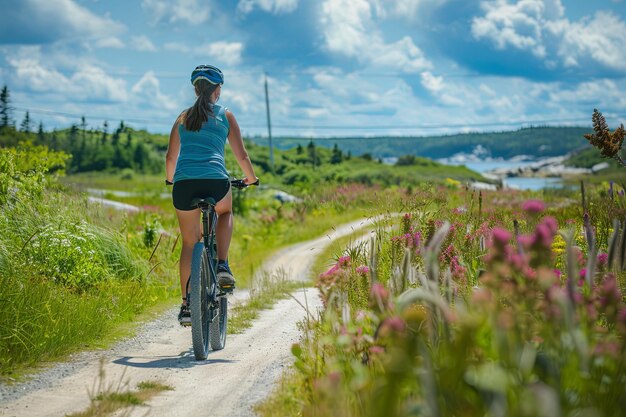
x=362 y=270
x=379 y=297
x=533 y=206
x=501 y=236
x=343 y=261
x=603 y=259
x=376 y=350
x=392 y=325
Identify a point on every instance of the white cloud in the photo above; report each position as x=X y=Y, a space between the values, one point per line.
x=142 y=43
x=540 y=27
x=432 y=82
x=270 y=6
x=603 y=39
x=110 y=42
x=221 y=52
x=406 y=9
x=177 y=11
x=148 y=91
x=44 y=21
x=350 y=30
x=87 y=83
x=518 y=25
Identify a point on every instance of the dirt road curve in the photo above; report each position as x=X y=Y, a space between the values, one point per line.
x=228 y=383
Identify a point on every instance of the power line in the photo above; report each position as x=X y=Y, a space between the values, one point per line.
x=309 y=126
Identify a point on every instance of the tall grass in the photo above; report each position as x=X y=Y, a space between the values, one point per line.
x=65 y=282
x=467 y=311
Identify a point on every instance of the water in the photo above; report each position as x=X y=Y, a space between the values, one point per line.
x=522 y=183
x=526 y=183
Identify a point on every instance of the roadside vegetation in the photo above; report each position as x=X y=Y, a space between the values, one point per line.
x=75 y=273
x=498 y=303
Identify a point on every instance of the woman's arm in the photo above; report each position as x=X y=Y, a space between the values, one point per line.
x=172 y=153
x=239 y=149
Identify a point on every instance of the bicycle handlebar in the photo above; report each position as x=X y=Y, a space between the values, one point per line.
x=235 y=183
x=241 y=185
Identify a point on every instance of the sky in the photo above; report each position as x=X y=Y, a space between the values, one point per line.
x=333 y=67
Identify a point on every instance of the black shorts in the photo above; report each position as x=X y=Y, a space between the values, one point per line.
x=186 y=190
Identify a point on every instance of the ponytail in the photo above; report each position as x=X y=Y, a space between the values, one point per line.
x=197 y=114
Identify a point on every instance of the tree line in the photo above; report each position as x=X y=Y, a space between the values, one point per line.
x=92 y=149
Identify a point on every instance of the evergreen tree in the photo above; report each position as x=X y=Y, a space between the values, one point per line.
x=336 y=156
x=139 y=157
x=73 y=146
x=5 y=108
x=25 y=126
x=129 y=139
x=54 y=141
x=41 y=136
x=105 y=131
x=299 y=149
x=311 y=152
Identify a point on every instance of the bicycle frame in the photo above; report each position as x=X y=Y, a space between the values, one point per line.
x=209 y=219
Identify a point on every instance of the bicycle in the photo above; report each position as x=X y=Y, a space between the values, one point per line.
x=207 y=302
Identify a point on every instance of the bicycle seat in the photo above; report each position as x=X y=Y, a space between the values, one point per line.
x=202 y=202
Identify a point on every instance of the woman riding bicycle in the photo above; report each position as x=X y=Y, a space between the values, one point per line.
x=195 y=165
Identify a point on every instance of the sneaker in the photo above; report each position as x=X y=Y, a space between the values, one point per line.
x=184 y=317
x=225 y=277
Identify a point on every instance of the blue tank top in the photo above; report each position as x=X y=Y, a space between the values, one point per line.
x=201 y=154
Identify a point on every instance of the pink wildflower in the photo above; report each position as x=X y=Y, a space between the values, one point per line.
x=343 y=261
x=583 y=273
x=533 y=206
x=501 y=236
x=558 y=273
x=603 y=259
x=362 y=270
x=379 y=296
x=377 y=350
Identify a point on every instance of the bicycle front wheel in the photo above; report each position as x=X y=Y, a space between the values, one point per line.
x=199 y=303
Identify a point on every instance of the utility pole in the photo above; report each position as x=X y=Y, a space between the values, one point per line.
x=269 y=124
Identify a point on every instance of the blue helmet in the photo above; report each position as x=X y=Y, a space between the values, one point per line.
x=207 y=72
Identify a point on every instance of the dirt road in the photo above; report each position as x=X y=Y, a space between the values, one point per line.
x=228 y=383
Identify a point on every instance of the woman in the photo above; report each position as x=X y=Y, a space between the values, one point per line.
x=195 y=165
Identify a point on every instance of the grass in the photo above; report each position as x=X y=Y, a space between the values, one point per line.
x=107 y=399
x=271 y=289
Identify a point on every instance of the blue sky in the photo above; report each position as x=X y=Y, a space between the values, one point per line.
x=335 y=67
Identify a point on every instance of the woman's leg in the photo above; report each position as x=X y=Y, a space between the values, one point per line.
x=189 y=222
x=224 y=228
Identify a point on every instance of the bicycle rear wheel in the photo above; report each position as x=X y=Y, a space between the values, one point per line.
x=218 y=325
x=199 y=303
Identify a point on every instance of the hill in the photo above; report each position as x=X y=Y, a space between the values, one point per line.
x=126 y=151
x=533 y=141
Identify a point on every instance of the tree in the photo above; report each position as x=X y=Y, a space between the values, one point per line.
x=299 y=149
x=311 y=152
x=5 y=108
x=25 y=126
x=139 y=156
x=406 y=160
x=105 y=131
x=41 y=136
x=337 y=156
x=129 y=139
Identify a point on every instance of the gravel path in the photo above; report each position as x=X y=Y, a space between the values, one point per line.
x=228 y=383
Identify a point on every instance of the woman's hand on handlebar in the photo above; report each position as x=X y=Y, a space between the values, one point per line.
x=249 y=181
